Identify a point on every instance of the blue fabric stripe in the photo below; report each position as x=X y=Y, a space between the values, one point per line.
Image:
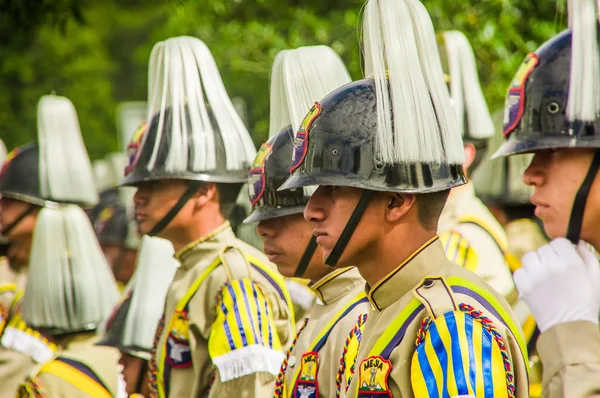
x=442 y=355
x=472 y=366
x=271 y=281
x=268 y=315
x=427 y=372
x=238 y=318
x=486 y=353
x=258 y=313
x=387 y=351
x=323 y=340
x=457 y=365
x=226 y=327
x=256 y=340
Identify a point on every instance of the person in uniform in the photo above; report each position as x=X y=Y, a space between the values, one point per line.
x=552 y=110
x=131 y=326
x=435 y=328
x=298 y=78
x=69 y=291
x=472 y=237
x=227 y=313
x=500 y=186
x=54 y=170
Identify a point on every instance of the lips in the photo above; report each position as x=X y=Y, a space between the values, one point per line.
x=540 y=207
x=271 y=253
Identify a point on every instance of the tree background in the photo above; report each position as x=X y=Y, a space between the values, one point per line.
x=96 y=53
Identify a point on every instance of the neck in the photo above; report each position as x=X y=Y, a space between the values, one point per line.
x=388 y=255
x=196 y=228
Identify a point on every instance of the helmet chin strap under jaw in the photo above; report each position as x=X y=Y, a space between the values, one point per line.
x=351 y=225
x=306 y=257
x=189 y=192
x=578 y=209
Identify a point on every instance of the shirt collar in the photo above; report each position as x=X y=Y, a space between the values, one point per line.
x=337 y=284
x=407 y=275
x=211 y=242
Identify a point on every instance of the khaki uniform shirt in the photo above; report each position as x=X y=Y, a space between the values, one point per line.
x=227 y=316
x=313 y=362
x=570 y=353
x=22 y=349
x=81 y=370
x=471 y=246
x=524 y=235
x=449 y=357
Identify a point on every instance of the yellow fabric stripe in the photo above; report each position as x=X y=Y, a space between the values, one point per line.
x=180 y=306
x=78 y=379
x=516 y=330
x=498 y=372
x=393 y=327
x=464 y=350
x=529 y=327
x=484 y=225
x=328 y=326
x=8 y=287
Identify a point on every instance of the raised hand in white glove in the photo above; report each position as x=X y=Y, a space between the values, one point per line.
x=560 y=283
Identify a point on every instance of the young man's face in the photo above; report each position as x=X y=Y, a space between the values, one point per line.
x=330 y=208
x=285 y=240
x=153 y=200
x=556 y=176
x=21 y=234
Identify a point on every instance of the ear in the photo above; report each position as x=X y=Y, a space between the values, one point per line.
x=205 y=194
x=398 y=205
x=470 y=153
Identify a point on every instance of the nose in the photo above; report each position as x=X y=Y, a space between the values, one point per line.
x=139 y=198
x=534 y=174
x=265 y=229
x=314 y=210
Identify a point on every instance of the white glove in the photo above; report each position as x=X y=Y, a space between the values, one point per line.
x=560 y=283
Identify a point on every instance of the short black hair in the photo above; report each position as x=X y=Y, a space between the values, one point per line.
x=429 y=208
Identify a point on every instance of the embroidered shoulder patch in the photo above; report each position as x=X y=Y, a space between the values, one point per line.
x=178 y=346
x=301 y=140
x=133 y=148
x=515 y=100
x=307 y=385
x=373 y=377
x=256 y=175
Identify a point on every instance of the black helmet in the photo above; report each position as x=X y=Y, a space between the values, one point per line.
x=269 y=171
x=339 y=135
x=536 y=117
x=141 y=148
x=19 y=178
x=534 y=113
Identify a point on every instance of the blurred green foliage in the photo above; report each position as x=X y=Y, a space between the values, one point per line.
x=96 y=53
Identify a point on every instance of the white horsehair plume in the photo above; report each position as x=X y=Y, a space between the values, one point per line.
x=300 y=77
x=3 y=153
x=467 y=98
x=65 y=168
x=184 y=78
x=70 y=286
x=154 y=272
x=584 y=81
x=102 y=175
x=502 y=177
x=399 y=43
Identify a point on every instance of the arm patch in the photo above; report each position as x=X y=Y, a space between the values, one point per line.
x=243 y=338
x=461 y=353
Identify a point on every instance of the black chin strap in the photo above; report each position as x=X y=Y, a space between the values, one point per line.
x=344 y=238
x=189 y=192
x=576 y=220
x=4 y=246
x=139 y=385
x=306 y=257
